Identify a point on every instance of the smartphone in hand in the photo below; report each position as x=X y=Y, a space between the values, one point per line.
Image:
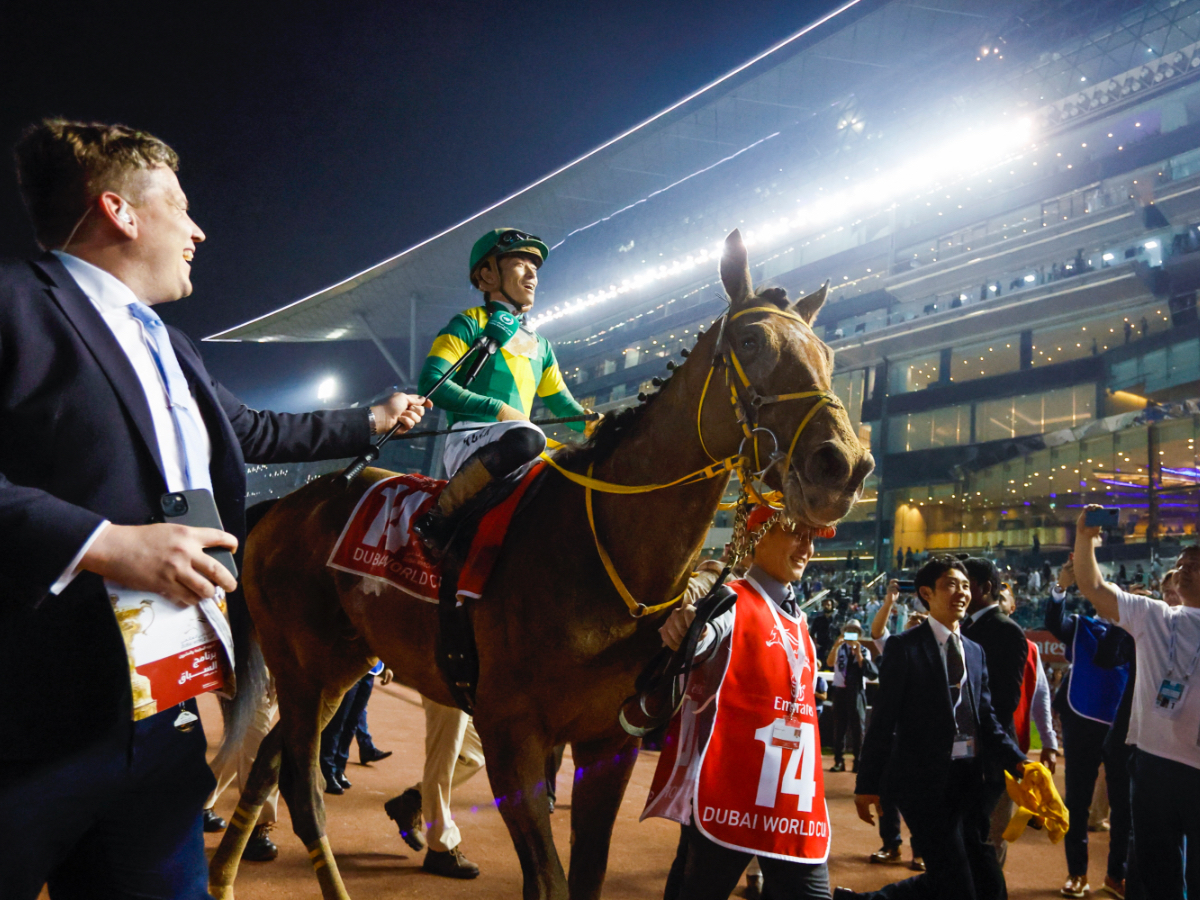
x=1105 y=517
x=198 y=509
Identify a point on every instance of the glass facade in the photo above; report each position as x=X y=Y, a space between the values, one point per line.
x=914 y=374
x=1091 y=337
x=1150 y=472
x=1034 y=413
x=986 y=358
x=949 y=426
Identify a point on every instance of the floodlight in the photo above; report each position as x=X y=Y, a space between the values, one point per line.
x=327 y=389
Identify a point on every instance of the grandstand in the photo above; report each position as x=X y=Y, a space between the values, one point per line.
x=1005 y=197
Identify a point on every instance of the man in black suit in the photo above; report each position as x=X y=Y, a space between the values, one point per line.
x=1005 y=653
x=932 y=732
x=102 y=410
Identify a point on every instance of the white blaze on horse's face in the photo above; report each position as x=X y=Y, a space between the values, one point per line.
x=781 y=354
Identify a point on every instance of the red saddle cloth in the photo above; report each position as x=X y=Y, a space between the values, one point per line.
x=377 y=540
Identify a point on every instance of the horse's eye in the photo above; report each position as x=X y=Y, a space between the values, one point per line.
x=749 y=343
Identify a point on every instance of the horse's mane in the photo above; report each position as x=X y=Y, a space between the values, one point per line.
x=617 y=426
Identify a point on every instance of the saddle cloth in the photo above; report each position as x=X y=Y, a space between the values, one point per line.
x=377 y=541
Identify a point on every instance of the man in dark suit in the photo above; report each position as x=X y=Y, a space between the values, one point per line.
x=102 y=410
x=1005 y=653
x=932 y=732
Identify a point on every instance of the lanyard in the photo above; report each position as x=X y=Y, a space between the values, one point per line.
x=794 y=657
x=1171 y=652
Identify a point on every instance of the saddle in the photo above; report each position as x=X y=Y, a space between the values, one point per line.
x=377 y=543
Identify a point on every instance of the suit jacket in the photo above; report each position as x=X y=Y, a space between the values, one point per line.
x=77 y=446
x=1005 y=652
x=912 y=722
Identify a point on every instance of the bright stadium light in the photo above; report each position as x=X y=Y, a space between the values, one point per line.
x=974 y=151
x=327 y=389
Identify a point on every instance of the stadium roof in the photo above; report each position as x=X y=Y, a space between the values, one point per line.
x=854 y=54
x=804 y=71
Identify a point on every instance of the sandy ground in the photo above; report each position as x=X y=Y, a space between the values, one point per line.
x=375 y=863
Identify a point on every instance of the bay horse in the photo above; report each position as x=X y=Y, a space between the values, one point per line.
x=558 y=649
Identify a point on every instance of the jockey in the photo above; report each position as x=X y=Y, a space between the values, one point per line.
x=504 y=267
x=741 y=765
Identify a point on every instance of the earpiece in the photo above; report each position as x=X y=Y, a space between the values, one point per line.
x=124 y=214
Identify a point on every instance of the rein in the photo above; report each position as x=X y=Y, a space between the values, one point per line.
x=739 y=464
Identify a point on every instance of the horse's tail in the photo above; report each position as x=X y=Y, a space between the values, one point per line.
x=250 y=670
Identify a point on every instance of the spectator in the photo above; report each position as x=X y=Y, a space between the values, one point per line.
x=852 y=666
x=933 y=728
x=1165 y=714
x=1005 y=655
x=823 y=628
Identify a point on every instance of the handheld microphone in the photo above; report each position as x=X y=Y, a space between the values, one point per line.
x=500 y=327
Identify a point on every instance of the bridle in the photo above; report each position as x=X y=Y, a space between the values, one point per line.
x=747 y=402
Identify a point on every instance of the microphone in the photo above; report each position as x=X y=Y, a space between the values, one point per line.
x=500 y=327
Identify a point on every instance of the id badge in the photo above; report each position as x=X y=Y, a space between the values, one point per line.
x=1169 y=702
x=963 y=747
x=786 y=733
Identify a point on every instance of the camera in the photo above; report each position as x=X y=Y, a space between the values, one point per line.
x=174 y=505
x=906 y=587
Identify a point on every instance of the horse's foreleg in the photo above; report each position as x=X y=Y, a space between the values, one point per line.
x=516 y=766
x=264 y=775
x=301 y=785
x=602 y=770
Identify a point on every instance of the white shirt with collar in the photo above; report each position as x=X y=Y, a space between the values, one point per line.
x=112 y=298
x=943 y=634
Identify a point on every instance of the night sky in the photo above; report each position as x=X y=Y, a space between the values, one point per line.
x=317 y=139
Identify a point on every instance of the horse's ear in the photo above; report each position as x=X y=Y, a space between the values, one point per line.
x=808 y=307
x=735 y=269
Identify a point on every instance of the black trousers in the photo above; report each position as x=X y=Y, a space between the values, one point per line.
x=339 y=733
x=119 y=819
x=952 y=831
x=1165 y=813
x=1083 y=746
x=849 y=720
x=889 y=824
x=708 y=871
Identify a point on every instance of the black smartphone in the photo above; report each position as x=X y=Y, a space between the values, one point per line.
x=1105 y=517
x=907 y=587
x=199 y=510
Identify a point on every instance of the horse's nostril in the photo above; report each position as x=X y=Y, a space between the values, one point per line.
x=828 y=466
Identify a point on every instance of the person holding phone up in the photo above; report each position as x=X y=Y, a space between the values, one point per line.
x=103 y=410
x=852 y=666
x=1164 y=723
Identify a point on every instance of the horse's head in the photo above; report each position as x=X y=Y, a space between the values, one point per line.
x=772 y=342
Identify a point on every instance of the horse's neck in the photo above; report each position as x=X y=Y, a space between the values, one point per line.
x=653 y=537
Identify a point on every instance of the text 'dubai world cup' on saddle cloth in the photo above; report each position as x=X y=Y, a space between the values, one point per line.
x=378 y=542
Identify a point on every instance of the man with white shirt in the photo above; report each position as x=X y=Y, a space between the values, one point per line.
x=103 y=410
x=1164 y=722
x=933 y=734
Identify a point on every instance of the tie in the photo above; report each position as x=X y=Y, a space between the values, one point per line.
x=789 y=600
x=963 y=719
x=188 y=427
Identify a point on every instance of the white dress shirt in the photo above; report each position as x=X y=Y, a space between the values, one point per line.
x=944 y=634
x=111 y=297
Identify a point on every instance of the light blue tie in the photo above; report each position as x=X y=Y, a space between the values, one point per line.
x=188 y=426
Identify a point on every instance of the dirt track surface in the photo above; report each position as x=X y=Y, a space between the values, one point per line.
x=376 y=864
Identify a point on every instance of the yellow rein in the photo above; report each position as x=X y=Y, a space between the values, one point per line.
x=738 y=464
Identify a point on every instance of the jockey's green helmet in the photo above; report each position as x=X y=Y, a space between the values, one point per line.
x=501 y=242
